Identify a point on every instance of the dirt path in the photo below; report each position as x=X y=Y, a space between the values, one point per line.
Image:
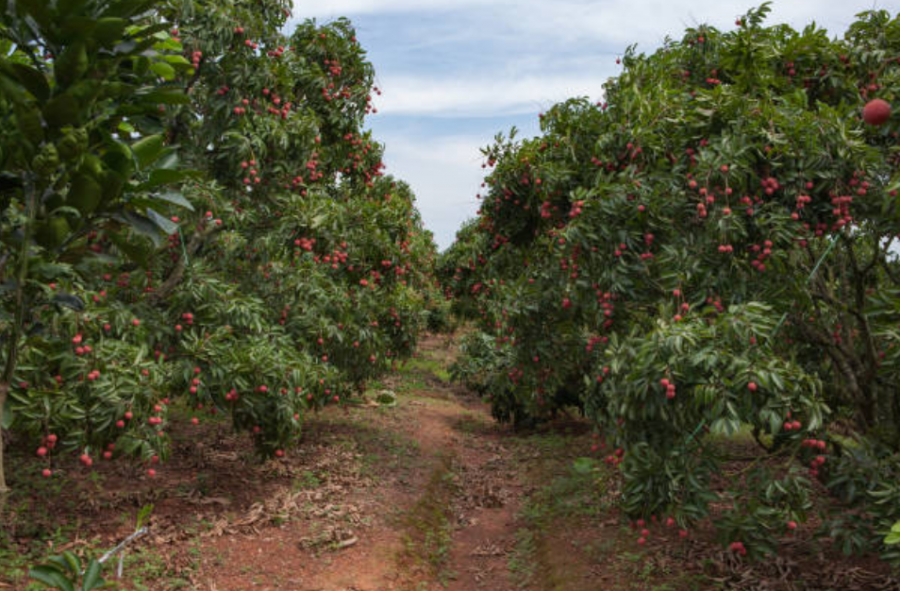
x=438 y=511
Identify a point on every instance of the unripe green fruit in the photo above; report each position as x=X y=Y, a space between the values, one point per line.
x=84 y=193
x=53 y=232
x=73 y=144
x=47 y=160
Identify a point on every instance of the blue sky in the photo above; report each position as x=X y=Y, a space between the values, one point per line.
x=454 y=73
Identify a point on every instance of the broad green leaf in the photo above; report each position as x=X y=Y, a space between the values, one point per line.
x=51 y=577
x=92 y=579
x=163 y=223
x=148 y=149
x=34 y=81
x=175 y=199
x=163 y=70
x=159 y=96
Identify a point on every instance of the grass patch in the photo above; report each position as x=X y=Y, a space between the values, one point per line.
x=429 y=524
x=426 y=366
x=521 y=564
x=565 y=496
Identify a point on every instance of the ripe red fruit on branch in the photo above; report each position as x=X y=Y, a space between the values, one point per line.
x=876 y=112
x=752 y=386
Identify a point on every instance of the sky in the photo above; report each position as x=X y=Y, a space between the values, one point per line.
x=455 y=73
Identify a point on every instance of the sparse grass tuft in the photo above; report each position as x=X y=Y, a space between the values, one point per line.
x=429 y=524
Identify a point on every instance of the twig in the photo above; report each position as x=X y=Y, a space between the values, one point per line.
x=121 y=546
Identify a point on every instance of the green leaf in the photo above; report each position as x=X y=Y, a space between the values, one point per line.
x=61 y=111
x=109 y=30
x=584 y=465
x=148 y=149
x=92 y=578
x=176 y=199
x=163 y=70
x=142 y=225
x=70 y=301
x=70 y=65
x=159 y=177
x=164 y=97
x=34 y=81
x=178 y=60
x=73 y=562
x=166 y=225
x=84 y=194
x=132 y=250
x=51 y=577
x=142 y=515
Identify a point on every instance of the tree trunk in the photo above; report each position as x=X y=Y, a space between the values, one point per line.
x=4 y=389
x=12 y=351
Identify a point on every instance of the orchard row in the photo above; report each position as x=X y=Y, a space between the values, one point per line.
x=193 y=218
x=708 y=254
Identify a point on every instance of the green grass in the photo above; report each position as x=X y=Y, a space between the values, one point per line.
x=426 y=366
x=429 y=524
x=521 y=564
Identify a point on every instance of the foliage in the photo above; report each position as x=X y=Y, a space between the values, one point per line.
x=64 y=572
x=208 y=222
x=707 y=251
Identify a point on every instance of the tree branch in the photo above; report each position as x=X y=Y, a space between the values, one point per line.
x=177 y=273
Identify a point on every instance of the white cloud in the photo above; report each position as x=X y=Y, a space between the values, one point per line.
x=352 y=7
x=607 y=21
x=518 y=56
x=483 y=96
x=444 y=172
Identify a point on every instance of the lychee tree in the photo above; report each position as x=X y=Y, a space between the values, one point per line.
x=255 y=261
x=71 y=76
x=708 y=250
